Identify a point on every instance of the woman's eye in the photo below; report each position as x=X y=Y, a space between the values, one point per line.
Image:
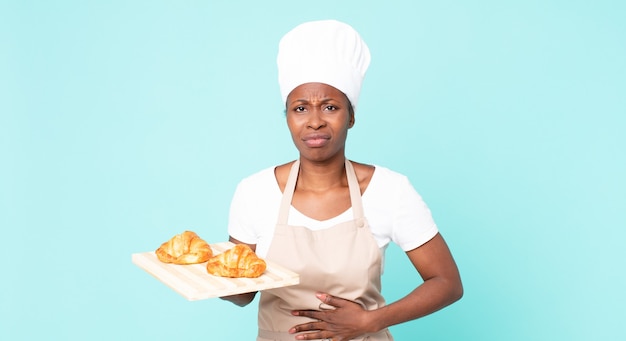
x=331 y=108
x=299 y=109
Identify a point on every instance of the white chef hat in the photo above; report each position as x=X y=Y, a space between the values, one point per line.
x=325 y=51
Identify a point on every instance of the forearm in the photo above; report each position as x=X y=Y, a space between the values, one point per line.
x=442 y=286
x=434 y=294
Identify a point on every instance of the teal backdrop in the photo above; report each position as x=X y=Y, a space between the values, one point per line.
x=125 y=122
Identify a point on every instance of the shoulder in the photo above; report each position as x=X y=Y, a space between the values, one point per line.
x=256 y=192
x=258 y=182
x=391 y=184
x=381 y=179
x=385 y=174
x=281 y=174
x=363 y=173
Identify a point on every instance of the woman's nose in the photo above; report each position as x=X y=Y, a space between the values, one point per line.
x=316 y=121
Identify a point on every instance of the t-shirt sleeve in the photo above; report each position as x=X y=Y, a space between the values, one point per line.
x=239 y=224
x=413 y=224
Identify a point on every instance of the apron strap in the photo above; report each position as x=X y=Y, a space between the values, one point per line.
x=353 y=185
x=355 y=194
x=285 y=204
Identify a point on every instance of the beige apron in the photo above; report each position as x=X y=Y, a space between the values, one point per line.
x=343 y=260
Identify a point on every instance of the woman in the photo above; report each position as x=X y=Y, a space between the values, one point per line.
x=330 y=219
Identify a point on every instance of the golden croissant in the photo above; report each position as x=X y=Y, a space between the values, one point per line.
x=238 y=261
x=184 y=248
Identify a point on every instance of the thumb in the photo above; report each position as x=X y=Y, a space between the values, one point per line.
x=329 y=301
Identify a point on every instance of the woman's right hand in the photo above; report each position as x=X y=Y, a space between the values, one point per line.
x=241 y=300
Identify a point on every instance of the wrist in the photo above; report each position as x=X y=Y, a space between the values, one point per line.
x=374 y=320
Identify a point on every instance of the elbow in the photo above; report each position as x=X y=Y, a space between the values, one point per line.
x=451 y=290
x=457 y=293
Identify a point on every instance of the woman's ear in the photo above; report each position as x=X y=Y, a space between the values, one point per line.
x=351 y=114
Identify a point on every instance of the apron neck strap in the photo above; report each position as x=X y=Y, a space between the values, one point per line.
x=353 y=185
x=355 y=192
x=285 y=204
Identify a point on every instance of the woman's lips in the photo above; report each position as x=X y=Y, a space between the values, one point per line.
x=316 y=140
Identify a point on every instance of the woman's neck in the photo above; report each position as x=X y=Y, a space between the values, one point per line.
x=321 y=176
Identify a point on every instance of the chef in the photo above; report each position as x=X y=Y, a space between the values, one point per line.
x=329 y=218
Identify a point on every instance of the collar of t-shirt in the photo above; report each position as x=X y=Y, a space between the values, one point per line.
x=296 y=218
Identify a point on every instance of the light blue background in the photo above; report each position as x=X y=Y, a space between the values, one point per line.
x=125 y=122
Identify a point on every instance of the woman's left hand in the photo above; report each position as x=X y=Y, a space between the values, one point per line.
x=345 y=321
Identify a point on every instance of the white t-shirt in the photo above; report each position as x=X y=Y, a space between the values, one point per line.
x=394 y=210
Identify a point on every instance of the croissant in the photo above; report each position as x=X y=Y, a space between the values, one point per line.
x=184 y=248
x=238 y=261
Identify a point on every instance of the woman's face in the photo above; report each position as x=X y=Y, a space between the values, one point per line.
x=319 y=116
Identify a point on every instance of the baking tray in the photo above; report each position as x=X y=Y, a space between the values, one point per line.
x=194 y=283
